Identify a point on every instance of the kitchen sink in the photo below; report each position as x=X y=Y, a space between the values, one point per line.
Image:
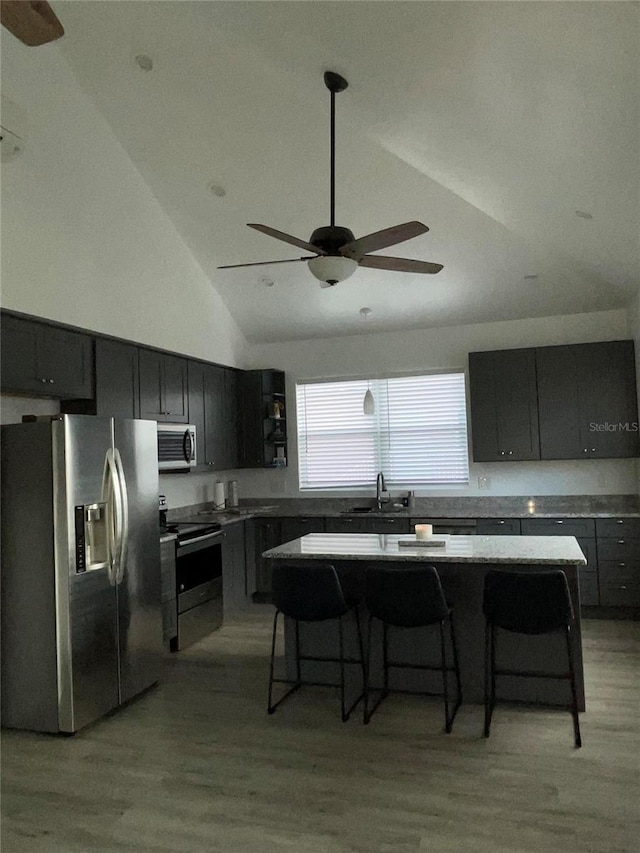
x=363 y=510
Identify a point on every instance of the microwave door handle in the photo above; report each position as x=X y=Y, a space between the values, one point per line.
x=124 y=530
x=187 y=446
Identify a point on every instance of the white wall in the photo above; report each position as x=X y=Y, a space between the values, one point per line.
x=397 y=352
x=84 y=240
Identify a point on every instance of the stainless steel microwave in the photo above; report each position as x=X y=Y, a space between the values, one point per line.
x=176 y=447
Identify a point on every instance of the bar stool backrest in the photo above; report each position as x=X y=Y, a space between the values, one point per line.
x=407 y=598
x=308 y=593
x=527 y=602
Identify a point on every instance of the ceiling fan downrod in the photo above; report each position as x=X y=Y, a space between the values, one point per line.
x=334 y=83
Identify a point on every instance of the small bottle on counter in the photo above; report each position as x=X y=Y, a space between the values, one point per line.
x=411 y=501
x=232 y=491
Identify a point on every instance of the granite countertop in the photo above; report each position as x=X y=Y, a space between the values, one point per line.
x=576 y=506
x=532 y=550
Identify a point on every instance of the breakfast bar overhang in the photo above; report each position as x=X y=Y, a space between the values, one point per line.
x=462 y=565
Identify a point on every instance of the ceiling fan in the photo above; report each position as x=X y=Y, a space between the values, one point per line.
x=32 y=21
x=336 y=252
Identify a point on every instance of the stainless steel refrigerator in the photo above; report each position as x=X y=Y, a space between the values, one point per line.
x=81 y=600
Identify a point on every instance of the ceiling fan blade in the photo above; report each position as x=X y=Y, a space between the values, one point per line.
x=382 y=239
x=287 y=238
x=32 y=21
x=383 y=262
x=263 y=263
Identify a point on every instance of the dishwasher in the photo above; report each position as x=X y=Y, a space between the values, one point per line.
x=452 y=526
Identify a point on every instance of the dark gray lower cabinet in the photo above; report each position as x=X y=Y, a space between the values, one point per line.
x=498 y=527
x=169 y=601
x=268 y=534
x=234 y=568
x=294 y=528
x=618 y=541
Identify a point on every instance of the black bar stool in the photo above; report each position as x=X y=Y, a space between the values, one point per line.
x=410 y=598
x=527 y=603
x=312 y=593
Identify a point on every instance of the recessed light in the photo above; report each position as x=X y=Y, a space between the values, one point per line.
x=531 y=277
x=584 y=214
x=216 y=189
x=364 y=313
x=144 y=62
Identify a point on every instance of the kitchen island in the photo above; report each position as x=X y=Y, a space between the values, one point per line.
x=462 y=565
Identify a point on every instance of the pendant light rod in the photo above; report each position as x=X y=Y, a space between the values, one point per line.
x=334 y=83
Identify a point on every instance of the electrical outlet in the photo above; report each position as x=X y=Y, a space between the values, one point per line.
x=484 y=482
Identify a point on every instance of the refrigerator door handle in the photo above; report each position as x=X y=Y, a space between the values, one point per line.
x=114 y=509
x=124 y=530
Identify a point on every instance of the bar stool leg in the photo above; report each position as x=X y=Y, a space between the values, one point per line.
x=489 y=677
x=270 y=708
x=445 y=680
x=385 y=660
x=456 y=660
x=367 y=675
x=345 y=715
x=574 y=695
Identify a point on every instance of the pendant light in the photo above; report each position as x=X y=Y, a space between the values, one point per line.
x=369 y=404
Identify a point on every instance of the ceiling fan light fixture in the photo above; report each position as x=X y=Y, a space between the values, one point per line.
x=332 y=269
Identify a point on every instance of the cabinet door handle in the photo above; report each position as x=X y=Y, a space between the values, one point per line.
x=51 y=382
x=622 y=565
x=622 y=587
x=501 y=522
x=511 y=453
x=43 y=380
x=560 y=522
x=593 y=450
x=621 y=541
x=619 y=521
x=586 y=450
x=502 y=453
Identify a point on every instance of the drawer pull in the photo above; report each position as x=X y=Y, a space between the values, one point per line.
x=559 y=522
x=619 y=521
x=621 y=541
x=622 y=587
x=501 y=522
x=622 y=565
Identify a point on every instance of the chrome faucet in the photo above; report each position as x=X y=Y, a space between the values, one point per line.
x=380 y=490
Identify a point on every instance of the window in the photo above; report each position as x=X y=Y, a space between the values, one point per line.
x=417 y=436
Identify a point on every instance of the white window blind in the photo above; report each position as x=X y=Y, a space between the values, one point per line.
x=417 y=436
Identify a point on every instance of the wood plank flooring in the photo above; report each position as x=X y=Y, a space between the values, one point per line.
x=197 y=765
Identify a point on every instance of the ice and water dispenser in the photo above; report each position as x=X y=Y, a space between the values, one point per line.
x=91 y=536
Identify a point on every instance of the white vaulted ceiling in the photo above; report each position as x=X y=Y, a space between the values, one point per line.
x=490 y=122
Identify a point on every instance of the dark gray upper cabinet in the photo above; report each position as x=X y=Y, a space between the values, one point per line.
x=45 y=360
x=504 y=406
x=117 y=384
x=163 y=387
x=587 y=401
x=263 y=421
x=213 y=408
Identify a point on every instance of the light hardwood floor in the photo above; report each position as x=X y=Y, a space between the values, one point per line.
x=197 y=765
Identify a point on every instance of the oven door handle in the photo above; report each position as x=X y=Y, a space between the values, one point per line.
x=210 y=537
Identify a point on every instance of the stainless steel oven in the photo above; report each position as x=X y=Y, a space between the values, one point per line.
x=198 y=581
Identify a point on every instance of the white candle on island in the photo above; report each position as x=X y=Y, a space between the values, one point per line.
x=424 y=531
